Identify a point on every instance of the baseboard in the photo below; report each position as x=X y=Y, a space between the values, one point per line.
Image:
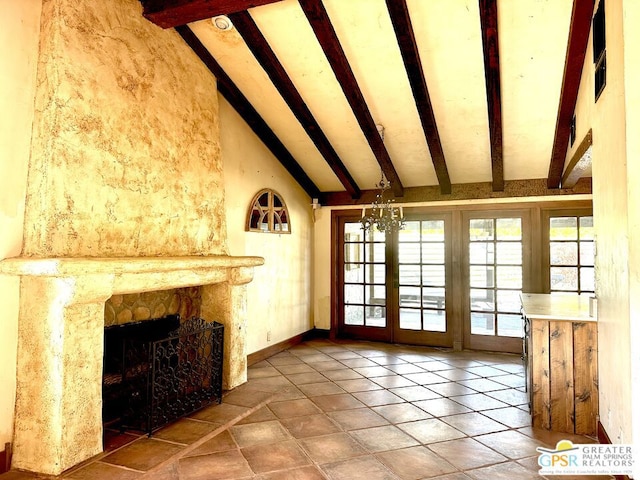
x=271 y=350
x=603 y=438
x=5 y=458
x=321 y=333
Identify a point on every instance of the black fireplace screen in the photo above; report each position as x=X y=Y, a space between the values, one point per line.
x=157 y=371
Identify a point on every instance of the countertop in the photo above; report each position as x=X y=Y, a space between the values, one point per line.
x=574 y=308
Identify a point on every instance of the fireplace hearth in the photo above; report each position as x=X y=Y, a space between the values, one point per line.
x=157 y=371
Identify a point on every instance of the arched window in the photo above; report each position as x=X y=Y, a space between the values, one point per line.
x=268 y=213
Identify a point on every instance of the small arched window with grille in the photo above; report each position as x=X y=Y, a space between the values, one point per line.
x=268 y=213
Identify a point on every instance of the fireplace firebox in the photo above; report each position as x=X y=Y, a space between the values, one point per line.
x=157 y=371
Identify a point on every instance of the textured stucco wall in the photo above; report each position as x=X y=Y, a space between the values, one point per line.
x=615 y=199
x=125 y=156
x=631 y=19
x=610 y=212
x=322 y=273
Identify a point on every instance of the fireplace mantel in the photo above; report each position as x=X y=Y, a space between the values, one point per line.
x=169 y=271
x=60 y=341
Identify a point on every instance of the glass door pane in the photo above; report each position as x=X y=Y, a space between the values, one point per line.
x=495 y=276
x=421 y=281
x=571 y=254
x=364 y=277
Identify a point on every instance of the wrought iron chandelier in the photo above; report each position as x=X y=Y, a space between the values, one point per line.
x=382 y=215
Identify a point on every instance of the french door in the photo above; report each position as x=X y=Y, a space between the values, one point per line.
x=362 y=271
x=447 y=279
x=496 y=266
x=421 y=294
x=395 y=287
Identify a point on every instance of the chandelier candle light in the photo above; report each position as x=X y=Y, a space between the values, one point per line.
x=383 y=215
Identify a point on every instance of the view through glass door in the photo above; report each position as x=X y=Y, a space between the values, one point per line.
x=422 y=282
x=363 y=309
x=496 y=265
x=395 y=287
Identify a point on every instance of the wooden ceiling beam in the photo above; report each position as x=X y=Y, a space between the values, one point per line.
x=574 y=61
x=239 y=102
x=490 y=47
x=401 y=21
x=326 y=35
x=580 y=162
x=258 y=45
x=534 y=187
x=171 y=13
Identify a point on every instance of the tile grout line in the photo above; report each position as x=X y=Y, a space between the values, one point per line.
x=457 y=469
x=507 y=459
x=99 y=459
x=206 y=438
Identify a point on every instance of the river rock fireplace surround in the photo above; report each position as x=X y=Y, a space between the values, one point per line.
x=58 y=420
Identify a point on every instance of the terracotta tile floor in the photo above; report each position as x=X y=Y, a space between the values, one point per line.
x=346 y=410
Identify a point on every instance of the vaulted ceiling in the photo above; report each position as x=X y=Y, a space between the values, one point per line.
x=468 y=92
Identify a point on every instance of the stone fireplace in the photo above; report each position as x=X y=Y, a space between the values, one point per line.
x=125 y=192
x=60 y=341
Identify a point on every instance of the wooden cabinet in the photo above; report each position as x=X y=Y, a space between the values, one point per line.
x=561 y=357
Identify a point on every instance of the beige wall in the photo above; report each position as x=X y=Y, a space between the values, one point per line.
x=322 y=273
x=19 y=31
x=631 y=20
x=279 y=298
x=610 y=183
x=125 y=154
x=616 y=215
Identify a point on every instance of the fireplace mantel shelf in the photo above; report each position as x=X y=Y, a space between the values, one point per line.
x=114 y=275
x=78 y=266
